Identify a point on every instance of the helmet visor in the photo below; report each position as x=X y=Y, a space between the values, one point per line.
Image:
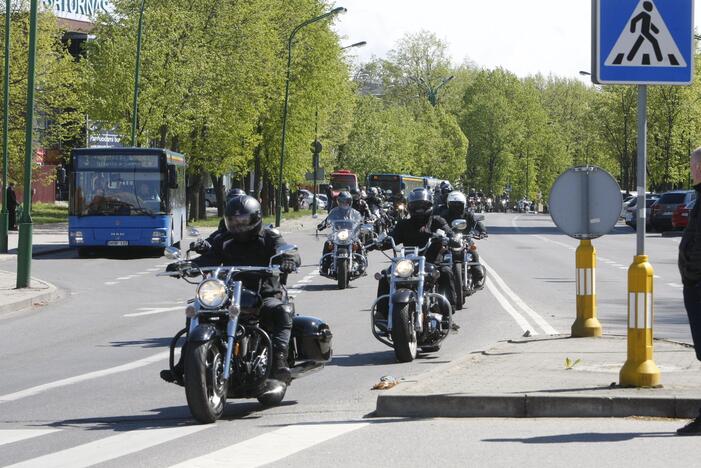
x=420 y=209
x=239 y=224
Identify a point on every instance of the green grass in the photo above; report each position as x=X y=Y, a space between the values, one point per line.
x=46 y=213
x=214 y=220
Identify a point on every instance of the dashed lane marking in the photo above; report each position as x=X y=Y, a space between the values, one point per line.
x=676 y=285
x=9 y=436
x=83 y=377
x=272 y=446
x=111 y=283
x=110 y=448
x=154 y=311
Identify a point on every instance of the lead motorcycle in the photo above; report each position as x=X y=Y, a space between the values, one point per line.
x=419 y=316
x=227 y=354
x=463 y=260
x=345 y=257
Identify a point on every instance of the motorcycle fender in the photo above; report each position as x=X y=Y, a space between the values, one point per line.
x=202 y=333
x=402 y=296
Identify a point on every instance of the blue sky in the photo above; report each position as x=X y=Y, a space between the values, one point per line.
x=526 y=37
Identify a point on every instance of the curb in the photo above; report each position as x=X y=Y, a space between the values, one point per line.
x=52 y=293
x=534 y=406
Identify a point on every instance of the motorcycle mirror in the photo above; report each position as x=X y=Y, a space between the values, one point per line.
x=173 y=253
x=194 y=232
x=459 y=224
x=366 y=228
x=286 y=249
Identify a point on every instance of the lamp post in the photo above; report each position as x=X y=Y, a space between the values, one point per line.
x=433 y=93
x=357 y=44
x=137 y=74
x=335 y=11
x=4 y=221
x=24 y=249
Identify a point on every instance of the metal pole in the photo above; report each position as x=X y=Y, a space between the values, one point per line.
x=4 y=217
x=137 y=74
x=24 y=250
x=278 y=205
x=315 y=160
x=642 y=168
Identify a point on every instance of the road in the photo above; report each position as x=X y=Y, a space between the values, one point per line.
x=80 y=381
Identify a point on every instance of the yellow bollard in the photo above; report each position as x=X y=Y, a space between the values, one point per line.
x=640 y=370
x=586 y=323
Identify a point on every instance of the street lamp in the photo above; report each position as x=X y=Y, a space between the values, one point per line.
x=357 y=44
x=334 y=12
x=137 y=73
x=433 y=93
x=4 y=219
x=584 y=73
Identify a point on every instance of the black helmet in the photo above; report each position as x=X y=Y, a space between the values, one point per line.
x=373 y=192
x=355 y=194
x=420 y=204
x=344 y=200
x=235 y=192
x=243 y=217
x=446 y=188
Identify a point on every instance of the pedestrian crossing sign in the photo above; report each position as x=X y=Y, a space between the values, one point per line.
x=642 y=41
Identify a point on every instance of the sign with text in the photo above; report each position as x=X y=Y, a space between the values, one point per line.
x=78 y=10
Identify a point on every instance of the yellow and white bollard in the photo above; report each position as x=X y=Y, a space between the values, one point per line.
x=640 y=370
x=586 y=323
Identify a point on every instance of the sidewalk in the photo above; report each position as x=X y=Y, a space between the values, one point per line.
x=46 y=238
x=528 y=378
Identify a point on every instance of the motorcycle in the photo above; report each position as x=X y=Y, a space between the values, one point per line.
x=463 y=258
x=227 y=354
x=418 y=315
x=345 y=257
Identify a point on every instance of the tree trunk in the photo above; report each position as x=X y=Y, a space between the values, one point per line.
x=218 y=183
x=264 y=197
x=193 y=196
x=285 y=197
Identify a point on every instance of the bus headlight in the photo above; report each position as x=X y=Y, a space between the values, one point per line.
x=211 y=293
x=77 y=236
x=157 y=237
x=404 y=268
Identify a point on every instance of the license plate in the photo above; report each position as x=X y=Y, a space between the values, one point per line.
x=115 y=243
x=666 y=213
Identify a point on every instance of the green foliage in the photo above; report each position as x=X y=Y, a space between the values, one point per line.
x=48 y=213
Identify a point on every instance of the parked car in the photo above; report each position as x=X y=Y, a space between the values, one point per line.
x=631 y=216
x=627 y=202
x=210 y=197
x=662 y=210
x=306 y=200
x=680 y=217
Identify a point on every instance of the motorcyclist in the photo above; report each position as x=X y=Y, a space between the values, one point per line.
x=415 y=232
x=359 y=204
x=457 y=209
x=344 y=210
x=443 y=190
x=247 y=243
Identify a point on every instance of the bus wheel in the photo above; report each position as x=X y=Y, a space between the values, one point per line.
x=84 y=252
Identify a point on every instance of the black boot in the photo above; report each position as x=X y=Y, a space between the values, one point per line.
x=176 y=375
x=280 y=370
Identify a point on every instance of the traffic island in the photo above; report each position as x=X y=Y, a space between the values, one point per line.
x=550 y=377
x=16 y=300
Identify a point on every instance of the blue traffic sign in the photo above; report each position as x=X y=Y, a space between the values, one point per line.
x=643 y=41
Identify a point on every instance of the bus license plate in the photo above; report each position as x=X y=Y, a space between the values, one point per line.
x=120 y=242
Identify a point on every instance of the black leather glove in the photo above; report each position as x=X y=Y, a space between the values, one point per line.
x=287 y=265
x=454 y=243
x=370 y=247
x=200 y=246
x=173 y=267
x=321 y=227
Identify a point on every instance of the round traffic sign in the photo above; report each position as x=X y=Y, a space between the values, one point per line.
x=585 y=202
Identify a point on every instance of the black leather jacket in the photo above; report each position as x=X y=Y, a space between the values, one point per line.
x=690 y=246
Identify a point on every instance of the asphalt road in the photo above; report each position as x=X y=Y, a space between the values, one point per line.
x=80 y=381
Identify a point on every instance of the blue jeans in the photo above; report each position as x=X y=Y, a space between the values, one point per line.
x=692 y=302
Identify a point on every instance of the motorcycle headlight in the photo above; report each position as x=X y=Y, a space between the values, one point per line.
x=343 y=235
x=404 y=268
x=211 y=293
x=401 y=206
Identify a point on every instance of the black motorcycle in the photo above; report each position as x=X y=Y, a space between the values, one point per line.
x=463 y=261
x=227 y=353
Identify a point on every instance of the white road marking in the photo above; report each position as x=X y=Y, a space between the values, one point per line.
x=272 y=446
x=675 y=285
x=110 y=448
x=540 y=321
x=82 y=378
x=123 y=278
x=154 y=310
x=520 y=319
x=657 y=277
x=9 y=436
x=111 y=283
x=561 y=244
x=154 y=269
x=622 y=267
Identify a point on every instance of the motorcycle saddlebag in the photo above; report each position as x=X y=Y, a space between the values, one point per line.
x=312 y=339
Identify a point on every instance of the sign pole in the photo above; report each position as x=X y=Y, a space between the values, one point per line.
x=4 y=214
x=586 y=323
x=24 y=249
x=640 y=369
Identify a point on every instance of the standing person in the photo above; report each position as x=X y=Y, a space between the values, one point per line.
x=690 y=269
x=12 y=206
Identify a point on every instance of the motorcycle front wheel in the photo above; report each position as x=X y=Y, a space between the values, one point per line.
x=459 y=292
x=403 y=333
x=205 y=386
x=342 y=273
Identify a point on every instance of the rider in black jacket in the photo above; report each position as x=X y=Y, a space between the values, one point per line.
x=416 y=231
x=457 y=209
x=246 y=243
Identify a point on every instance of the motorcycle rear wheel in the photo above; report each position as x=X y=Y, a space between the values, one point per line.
x=404 y=336
x=342 y=273
x=205 y=387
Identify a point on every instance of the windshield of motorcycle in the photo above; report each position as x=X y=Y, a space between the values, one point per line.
x=344 y=231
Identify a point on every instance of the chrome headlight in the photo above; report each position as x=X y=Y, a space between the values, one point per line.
x=343 y=235
x=211 y=293
x=404 y=268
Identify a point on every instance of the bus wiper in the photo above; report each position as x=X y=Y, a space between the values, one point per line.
x=143 y=210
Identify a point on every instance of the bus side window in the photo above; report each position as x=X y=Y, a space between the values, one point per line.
x=172 y=177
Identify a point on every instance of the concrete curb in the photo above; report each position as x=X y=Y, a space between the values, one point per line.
x=534 y=406
x=50 y=294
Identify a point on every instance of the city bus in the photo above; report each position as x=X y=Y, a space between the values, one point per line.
x=343 y=179
x=395 y=182
x=126 y=197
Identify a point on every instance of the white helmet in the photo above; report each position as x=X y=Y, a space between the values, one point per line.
x=456 y=197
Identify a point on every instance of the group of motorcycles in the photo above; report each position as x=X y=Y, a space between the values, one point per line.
x=228 y=353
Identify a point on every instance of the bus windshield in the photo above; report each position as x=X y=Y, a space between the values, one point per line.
x=123 y=186
x=343 y=181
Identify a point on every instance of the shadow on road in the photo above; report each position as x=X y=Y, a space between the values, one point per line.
x=133 y=253
x=376 y=358
x=585 y=437
x=144 y=343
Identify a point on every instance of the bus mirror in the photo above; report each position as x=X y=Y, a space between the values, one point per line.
x=172 y=177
